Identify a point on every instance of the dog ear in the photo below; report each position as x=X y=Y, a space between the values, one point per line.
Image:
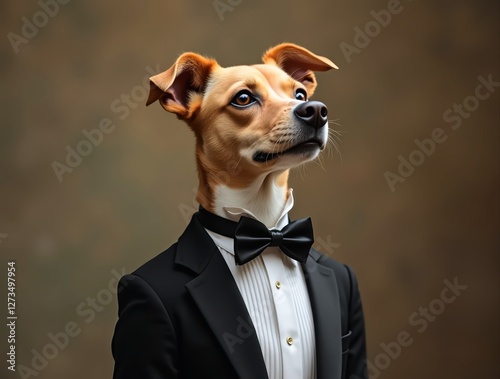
x=298 y=62
x=175 y=86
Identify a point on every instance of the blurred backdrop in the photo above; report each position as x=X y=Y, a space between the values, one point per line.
x=411 y=203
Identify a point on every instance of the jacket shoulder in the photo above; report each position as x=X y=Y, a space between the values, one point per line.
x=163 y=275
x=160 y=262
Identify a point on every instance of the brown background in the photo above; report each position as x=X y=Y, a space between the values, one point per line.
x=128 y=199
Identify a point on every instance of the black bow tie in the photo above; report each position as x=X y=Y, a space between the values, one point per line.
x=251 y=237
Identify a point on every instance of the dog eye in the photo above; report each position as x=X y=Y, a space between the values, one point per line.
x=301 y=94
x=243 y=98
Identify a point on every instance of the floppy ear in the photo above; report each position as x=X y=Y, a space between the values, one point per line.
x=298 y=62
x=176 y=86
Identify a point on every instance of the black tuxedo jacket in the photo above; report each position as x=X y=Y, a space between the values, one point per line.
x=181 y=316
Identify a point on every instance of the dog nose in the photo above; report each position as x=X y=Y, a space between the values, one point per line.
x=313 y=113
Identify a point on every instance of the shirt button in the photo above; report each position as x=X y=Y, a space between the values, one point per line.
x=278 y=284
x=289 y=341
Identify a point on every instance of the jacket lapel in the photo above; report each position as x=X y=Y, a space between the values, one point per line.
x=324 y=298
x=219 y=300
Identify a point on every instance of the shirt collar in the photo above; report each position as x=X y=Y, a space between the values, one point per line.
x=234 y=214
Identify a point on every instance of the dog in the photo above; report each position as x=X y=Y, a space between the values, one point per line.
x=259 y=118
x=205 y=312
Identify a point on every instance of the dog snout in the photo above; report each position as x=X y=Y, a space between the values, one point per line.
x=313 y=113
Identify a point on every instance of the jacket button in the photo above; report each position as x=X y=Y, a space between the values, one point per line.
x=278 y=284
x=289 y=341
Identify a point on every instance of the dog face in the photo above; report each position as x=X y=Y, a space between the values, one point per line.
x=256 y=118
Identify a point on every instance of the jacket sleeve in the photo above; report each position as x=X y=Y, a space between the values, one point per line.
x=356 y=360
x=144 y=343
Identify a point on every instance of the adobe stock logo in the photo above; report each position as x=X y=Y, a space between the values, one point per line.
x=364 y=36
x=243 y=331
x=122 y=107
x=86 y=312
x=420 y=319
x=223 y=6
x=31 y=27
x=455 y=116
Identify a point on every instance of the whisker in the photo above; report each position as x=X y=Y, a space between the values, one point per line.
x=334 y=136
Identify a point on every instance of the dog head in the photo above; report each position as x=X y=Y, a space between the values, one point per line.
x=248 y=121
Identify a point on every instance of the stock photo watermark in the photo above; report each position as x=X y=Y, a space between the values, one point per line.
x=326 y=246
x=420 y=321
x=224 y=6
x=11 y=315
x=364 y=36
x=243 y=331
x=121 y=106
x=454 y=116
x=30 y=26
x=86 y=311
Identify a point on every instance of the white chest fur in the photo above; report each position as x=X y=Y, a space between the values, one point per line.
x=265 y=199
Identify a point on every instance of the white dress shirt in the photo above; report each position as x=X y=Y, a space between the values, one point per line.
x=275 y=293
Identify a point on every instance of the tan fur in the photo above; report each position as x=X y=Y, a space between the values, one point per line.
x=199 y=91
